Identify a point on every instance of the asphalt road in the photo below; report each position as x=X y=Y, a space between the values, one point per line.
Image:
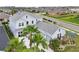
x=63 y=24
x=3 y=38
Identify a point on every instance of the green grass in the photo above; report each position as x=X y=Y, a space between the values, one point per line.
x=69 y=18
x=73 y=49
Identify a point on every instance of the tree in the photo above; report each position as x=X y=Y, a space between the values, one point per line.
x=54 y=44
x=15 y=46
x=54 y=22
x=13 y=11
x=30 y=29
x=38 y=39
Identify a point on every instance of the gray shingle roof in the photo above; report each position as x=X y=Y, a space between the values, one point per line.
x=20 y=14
x=48 y=28
x=4 y=15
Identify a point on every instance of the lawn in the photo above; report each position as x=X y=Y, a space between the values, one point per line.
x=68 y=18
x=73 y=49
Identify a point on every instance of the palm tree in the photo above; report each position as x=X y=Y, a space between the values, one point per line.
x=39 y=39
x=15 y=45
x=30 y=29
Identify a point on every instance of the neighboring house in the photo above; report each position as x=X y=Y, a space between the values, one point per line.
x=50 y=31
x=4 y=17
x=20 y=20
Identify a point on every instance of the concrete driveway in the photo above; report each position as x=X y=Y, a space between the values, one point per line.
x=3 y=38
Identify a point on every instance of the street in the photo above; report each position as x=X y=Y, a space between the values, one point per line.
x=63 y=24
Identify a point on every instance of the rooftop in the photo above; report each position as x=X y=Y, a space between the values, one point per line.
x=48 y=28
x=20 y=14
x=4 y=15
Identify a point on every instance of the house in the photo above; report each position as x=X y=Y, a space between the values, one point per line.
x=50 y=31
x=4 y=17
x=20 y=20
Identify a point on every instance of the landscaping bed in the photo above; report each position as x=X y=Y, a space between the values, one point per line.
x=73 y=48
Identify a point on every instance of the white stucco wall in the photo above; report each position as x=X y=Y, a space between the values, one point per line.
x=14 y=24
x=24 y=20
x=54 y=35
x=62 y=31
x=20 y=21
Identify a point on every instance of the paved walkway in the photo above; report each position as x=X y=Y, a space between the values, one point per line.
x=3 y=38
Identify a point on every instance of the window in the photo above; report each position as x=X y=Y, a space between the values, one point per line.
x=8 y=20
x=19 y=24
x=26 y=16
x=32 y=22
x=27 y=22
x=19 y=34
x=59 y=36
x=59 y=30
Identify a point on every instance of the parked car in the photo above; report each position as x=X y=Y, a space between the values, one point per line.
x=49 y=20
